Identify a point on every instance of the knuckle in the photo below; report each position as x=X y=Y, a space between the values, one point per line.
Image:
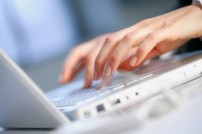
x=146 y=21
x=115 y=59
x=167 y=23
x=89 y=58
x=152 y=37
x=129 y=37
x=110 y=39
x=75 y=51
x=141 y=51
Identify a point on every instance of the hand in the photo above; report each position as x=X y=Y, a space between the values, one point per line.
x=82 y=56
x=147 y=39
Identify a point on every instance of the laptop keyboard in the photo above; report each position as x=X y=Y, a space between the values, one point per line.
x=79 y=96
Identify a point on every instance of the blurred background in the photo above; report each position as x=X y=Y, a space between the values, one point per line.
x=38 y=34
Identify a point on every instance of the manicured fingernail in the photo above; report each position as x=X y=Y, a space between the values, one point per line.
x=133 y=61
x=108 y=70
x=104 y=82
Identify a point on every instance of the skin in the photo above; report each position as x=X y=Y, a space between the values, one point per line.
x=129 y=48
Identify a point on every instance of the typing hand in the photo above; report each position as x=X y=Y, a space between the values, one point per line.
x=129 y=48
x=83 y=56
x=147 y=39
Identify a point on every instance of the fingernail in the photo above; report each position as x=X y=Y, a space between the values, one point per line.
x=133 y=61
x=104 y=82
x=108 y=70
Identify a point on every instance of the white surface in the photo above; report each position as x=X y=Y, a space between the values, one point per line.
x=186 y=119
x=23 y=104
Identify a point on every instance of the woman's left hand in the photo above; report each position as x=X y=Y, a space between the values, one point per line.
x=147 y=39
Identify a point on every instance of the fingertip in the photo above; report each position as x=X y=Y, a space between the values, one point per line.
x=97 y=77
x=63 y=79
x=86 y=86
x=133 y=61
x=88 y=81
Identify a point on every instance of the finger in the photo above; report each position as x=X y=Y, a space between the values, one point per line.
x=94 y=52
x=70 y=75
x=104 y=82
x=109 y=44
x=125 y=65
x=130 y=41
x=89 y=62
x=89 y=72
x=74 y=72
x=71 y=62
x=147 y=45
x=122 y=39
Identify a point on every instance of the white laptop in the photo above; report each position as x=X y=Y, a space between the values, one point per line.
x=24 y=105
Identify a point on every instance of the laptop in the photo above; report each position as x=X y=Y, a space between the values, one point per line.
x=24 y=105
